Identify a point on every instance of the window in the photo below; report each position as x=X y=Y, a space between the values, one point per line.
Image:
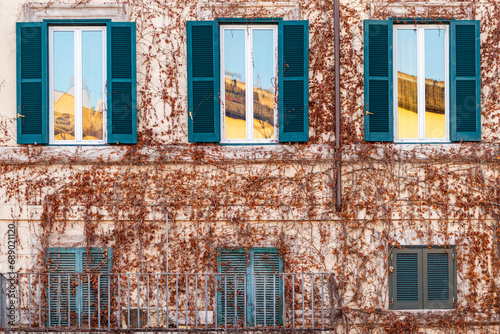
x=85 y=272
x=422 y=278
x=422 y=81
x=250 y=279
x=249 y=61
x=76 y=82
x=248 y=81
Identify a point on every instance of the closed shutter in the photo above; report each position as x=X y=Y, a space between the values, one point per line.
x=62 y=305
x=294 y=81
x=231 y=300
x=96 y=265
x=203 y=81
x=121 y=89
x=31 y=57
x=406 y=281
x=268 y=286
x=465 y=87
x=378 y=107
x=438 y=279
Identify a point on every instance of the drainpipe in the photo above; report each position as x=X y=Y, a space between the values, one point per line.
x=338 y=161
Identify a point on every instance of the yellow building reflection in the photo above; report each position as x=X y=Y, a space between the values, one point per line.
x=435 y=126
x=235 y=111
x=64 y=116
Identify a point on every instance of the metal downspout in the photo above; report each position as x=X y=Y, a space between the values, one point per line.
x=338 y=160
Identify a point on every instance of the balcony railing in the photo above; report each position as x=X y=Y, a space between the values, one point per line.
x=167 y=302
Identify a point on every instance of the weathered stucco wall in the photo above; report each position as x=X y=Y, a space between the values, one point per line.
x=274 y=196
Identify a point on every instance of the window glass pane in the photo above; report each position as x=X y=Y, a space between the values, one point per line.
x=407 y=83
x=234 y=83
x=263 y=84
x=435 y=126
x=92 y=85
x=64 y=88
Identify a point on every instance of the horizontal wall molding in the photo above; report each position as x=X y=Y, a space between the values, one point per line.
x=37 y=12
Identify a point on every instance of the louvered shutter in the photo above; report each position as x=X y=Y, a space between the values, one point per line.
x=378 y=107
x=31 y=57
x=465 y=85
x=62 y=302
x=231 y=288
x=406 y=280
x=267 y=266
x=293 y=81
x=438 y=278
x=121 y=83
x=203 y=81
x=96 y=265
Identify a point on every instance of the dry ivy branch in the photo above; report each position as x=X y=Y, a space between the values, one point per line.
x=391 y=196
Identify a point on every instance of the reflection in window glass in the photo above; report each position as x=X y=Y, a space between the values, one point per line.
x=263 y=84
x=435 y=126
x=92 y=85
x=64 y=88
x=235 y=84
x=407 y=83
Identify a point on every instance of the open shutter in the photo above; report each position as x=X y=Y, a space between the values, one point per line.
x=62 y=305
x=378 y=111
x=267 y=266
x=465 y=78
x=121 y=83
x=438 y=278
x=31 y=57
x=96 y=265
x=203 y=81
x=406 y=279
x=293 y=81
x=231 y=287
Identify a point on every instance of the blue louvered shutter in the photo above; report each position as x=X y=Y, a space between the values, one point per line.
x=121 y=83
x=96 y=265
x=406 y=279
x=293 y=81
x=438 y=278
x=203 y=81
x=266 y=266
x=465 y=83
x=231 y=286
x=378 y=106
x=31 y=57
x=62 y=302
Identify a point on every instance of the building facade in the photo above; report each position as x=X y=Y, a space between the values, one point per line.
x=172 y=165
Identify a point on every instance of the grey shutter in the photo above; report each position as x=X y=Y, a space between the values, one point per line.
x=438 y=277
x=406 y=279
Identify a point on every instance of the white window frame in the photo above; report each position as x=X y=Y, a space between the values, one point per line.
x=421 y=82
x=249 y=83
x=77 y=85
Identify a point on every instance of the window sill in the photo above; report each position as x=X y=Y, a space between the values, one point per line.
x=184 y=153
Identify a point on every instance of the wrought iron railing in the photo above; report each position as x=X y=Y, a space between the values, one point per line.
x=169 y=302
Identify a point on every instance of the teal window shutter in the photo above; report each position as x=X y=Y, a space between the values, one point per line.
x=438 y=278
x=121 y=83
x=203 y=81
x=267 y=265
x=233 y=267
x=63 y=264
x=32 y=79
x=72 y=267
x=465 y=81
x=378 y=105
x=293 y=81
x=97 y=262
